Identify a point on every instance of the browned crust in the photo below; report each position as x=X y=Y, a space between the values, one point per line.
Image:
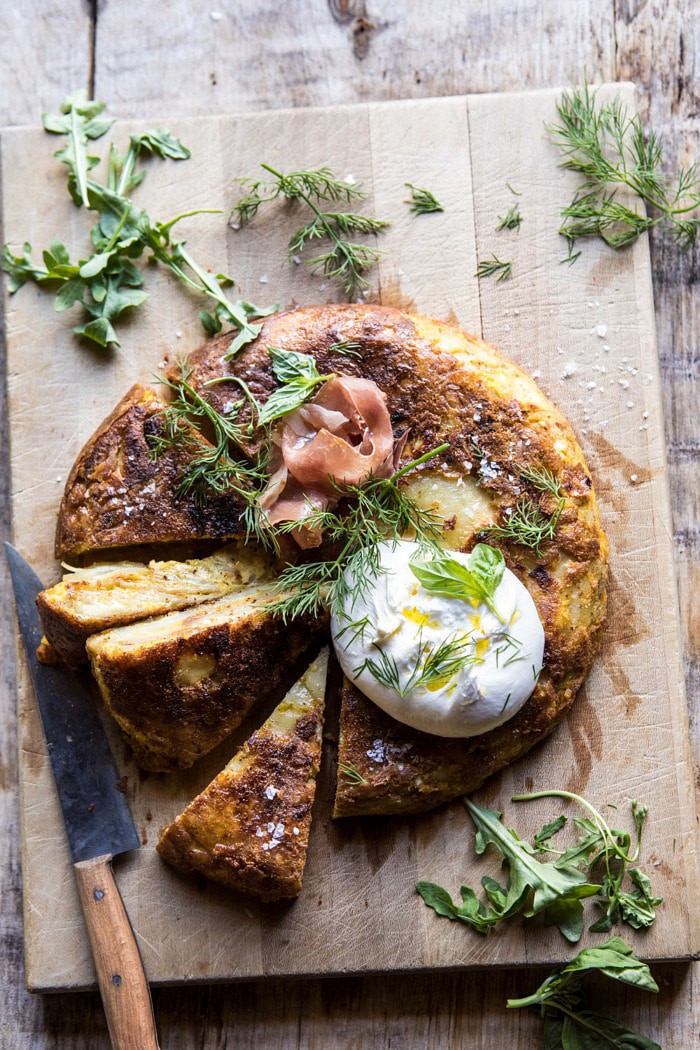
x=222 y=832
x=118 y=494
x=170 y=725
x=444 y=385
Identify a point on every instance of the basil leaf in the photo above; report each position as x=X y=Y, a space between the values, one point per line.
x=614 y=959
x=487 y=564
x=289 y=365
x=586 y=1030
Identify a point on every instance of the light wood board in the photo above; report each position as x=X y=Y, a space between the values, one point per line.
x=627 y=734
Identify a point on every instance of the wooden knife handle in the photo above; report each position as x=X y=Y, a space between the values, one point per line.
x=125 y=993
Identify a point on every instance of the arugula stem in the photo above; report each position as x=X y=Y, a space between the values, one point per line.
x=79 y=155
x=599 y=820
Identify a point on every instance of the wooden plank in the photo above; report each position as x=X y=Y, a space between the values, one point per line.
x=46 y=54
x=269 y=55
x=186 y=935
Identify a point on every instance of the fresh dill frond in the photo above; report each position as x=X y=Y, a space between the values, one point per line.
x=352 y=775
x=489 y=267
x=376 y=510
x=528 y=525
x=212 y=470
x=434 y=665
x=613 y=152
x=543 y=479
x=422 y=201
x=348 y=348
x=511 y=220
x=345 y=260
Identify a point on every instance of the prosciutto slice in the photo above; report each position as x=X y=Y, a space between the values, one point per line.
x=337 y=439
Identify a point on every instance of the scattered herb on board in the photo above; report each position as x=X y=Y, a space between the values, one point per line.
x=492 y=266
x=609 y=851
x=570 y=1022
x=623 y=169
x=422 y=201
x=511 y=220
x=345 y=260
x=554 y=889
x=107 y=282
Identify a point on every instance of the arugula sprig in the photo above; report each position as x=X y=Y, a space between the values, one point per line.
x=600 y=846
x=531 y=888
x=554 y=889
x=613 y=152
x=563 y=999
x=476 y=582
x=107 y=282
x=346 y=260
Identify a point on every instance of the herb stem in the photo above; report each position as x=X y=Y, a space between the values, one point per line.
x=599 y=820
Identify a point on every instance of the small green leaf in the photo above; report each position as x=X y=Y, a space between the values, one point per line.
x=438 y=899
x=69 y=293
x=288 y=365
x=449 y=578
x=100 y=331
x=94 y=265
x=210 y=324
x=543 y=838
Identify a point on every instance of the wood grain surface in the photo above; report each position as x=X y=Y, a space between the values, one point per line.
x=195 y=63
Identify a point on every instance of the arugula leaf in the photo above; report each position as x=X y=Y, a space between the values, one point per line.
x=544 y=836
x=299 y=377
x=569 y=1022
x=531 y=888
x=600 y=845
x=450 y=579
x=106 y=283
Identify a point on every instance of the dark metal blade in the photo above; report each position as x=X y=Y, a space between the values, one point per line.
x=96 y=813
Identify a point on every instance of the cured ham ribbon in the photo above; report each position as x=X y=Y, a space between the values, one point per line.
x=338 y=438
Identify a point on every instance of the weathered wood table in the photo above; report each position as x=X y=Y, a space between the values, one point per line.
x=186 y=58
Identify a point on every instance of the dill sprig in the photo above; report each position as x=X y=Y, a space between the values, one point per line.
x=613 y=152
x=348 y=348
x=373 y=511
x=528 y=525
x=351 y=773
x=494 y=265
x=433 y=665
x=212 y=470
x=345 y=260
x=422 y=201
x=511 y=220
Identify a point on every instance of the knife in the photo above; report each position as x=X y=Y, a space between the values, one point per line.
x=99 y=825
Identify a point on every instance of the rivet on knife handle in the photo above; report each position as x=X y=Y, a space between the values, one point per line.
x=125 y=993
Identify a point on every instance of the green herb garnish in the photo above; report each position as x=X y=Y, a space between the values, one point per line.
x=611 y=850
x=107 y=282
x=527 y=524
x=489 y=267
x=351 y=774
x=345 y=260
x=298 y=376
x=475 y=582
x=557 y=888
x=433 y=665
x=422 y=201
x=375 y=510
x=511 y=220
x=613 y=152
x=531 y=888
x=569 y=1021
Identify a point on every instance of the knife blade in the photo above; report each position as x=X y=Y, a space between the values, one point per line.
x=99 y=825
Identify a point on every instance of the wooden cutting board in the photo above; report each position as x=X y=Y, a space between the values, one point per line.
x=585 y=331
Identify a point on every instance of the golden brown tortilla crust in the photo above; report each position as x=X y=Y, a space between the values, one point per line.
x=221 y=833
x=168 y=724
x=118 y=494
x=444 y=385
